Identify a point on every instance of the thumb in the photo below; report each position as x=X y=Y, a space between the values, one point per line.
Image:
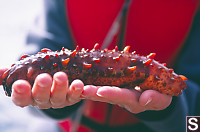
x=153 y=100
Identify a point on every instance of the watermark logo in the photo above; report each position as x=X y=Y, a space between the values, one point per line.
x=193 y=124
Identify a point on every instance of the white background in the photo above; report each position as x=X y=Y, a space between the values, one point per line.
x=16 y=17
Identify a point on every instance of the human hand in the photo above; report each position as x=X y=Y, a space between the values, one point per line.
x=47 y=92
x=132 y=100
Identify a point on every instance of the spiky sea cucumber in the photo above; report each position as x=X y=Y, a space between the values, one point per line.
x=98 y=67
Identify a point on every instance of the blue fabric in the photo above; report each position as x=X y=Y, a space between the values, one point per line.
x=51 y=28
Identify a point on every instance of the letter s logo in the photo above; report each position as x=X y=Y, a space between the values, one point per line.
x=194 y=123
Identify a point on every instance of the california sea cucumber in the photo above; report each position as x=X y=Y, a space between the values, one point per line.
x=98 y=67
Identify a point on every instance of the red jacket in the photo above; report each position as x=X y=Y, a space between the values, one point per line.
x=152 y=26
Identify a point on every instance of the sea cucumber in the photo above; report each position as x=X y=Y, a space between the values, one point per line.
x=98 y=67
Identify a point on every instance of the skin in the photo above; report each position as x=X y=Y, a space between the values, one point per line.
x=56 y=93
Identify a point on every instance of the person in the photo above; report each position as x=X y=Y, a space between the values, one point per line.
x=169 y=28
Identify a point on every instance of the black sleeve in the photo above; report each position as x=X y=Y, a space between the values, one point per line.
x=62 y=113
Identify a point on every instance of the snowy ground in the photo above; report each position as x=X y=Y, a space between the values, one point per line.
x=15 y=19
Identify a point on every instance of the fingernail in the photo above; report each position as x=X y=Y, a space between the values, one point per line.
x=19 y=90
x=58 y=81
x=82 y=96
x=77 y=88
x=148 y=101
x=42 y=84
x=99 y=94
x=42 y=81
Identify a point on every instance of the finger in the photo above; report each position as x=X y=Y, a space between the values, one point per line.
x=2 y=70
x=89 y=92
x=118 y=95
x=59 y=89
x=75 y=90
x=123 y=97
x=21 y=93
x=41 y=90
x=154 y=100
x=102 y=93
